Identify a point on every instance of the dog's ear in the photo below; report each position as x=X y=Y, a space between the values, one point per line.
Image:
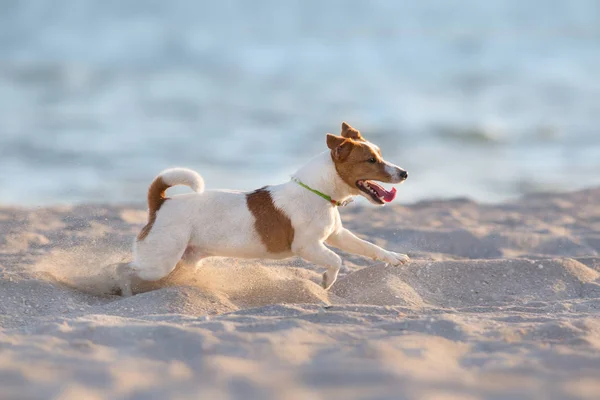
x=350 y=133
x=340 y=147
x=334 y=141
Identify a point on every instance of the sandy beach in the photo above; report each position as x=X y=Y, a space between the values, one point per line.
x=500 y=302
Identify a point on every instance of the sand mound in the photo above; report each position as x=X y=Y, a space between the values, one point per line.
x=470 y=283
x=250 y=284
x=497 y=282
x=377 y=285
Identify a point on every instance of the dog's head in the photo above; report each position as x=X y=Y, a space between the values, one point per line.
x=359 y=163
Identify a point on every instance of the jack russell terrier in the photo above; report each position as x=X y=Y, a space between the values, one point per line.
x=296 y=218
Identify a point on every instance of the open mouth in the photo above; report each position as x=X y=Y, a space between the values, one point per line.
x=376 y=192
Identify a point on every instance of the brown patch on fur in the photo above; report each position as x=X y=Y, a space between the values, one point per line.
x=351 y=158
x=274 y=227
x=156 y=198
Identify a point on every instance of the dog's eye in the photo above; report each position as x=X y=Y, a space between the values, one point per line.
x=372 y=160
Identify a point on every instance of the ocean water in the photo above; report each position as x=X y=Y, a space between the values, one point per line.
x=484 y=99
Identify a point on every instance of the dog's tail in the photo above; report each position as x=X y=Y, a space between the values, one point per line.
x=180 y=176
x=158 y=187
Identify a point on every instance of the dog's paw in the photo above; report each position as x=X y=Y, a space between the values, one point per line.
x=124 y=272
x=328 y=280
x=395 y=258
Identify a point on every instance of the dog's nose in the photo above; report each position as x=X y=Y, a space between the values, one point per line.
x=403 y=174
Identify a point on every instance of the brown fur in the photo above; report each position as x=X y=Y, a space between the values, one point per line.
x=350 y=133
x=350 y=155
x=156 y=198
x=274 y=227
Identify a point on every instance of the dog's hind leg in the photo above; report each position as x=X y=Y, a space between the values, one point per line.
x=156 y=256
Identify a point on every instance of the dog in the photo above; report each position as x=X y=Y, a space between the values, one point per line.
x=296 y=218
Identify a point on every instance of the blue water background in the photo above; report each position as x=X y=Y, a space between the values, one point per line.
x=485 y=99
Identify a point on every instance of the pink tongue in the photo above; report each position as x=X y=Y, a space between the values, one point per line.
x=381 y=192
x=389 y=196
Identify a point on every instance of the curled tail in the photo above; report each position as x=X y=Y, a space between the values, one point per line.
x=158 y=187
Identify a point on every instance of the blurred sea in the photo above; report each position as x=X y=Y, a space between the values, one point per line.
x=485 y=99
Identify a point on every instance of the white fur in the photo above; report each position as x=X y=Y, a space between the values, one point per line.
x=183 y=176
x=393 y=170
x=219 y=223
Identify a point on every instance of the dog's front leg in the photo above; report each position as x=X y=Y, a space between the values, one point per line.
x=345 y=240
x=319 y=254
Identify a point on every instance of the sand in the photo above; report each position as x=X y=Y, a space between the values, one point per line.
x=499 y=302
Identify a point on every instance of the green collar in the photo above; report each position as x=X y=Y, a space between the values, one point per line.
x=323 y=195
